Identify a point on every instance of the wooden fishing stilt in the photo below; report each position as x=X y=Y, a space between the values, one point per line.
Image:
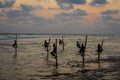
x=84 y=51
x=56 y=57
x=49 y=40
x=16 y=47
x=63 y=45
x=86 y=41
x=47 y=52
x=48 y=47
x=99 y=56
x=100 y=51
x=102 y=43
x=79 y=42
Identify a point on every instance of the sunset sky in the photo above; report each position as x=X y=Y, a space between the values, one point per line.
x=60 y=16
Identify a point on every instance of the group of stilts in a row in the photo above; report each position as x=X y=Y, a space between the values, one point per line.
x=81 y=48
x=54 y=51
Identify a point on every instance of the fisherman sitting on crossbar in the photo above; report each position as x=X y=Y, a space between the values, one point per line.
x=53 y=52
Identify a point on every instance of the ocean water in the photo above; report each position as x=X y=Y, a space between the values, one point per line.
x=32 y=63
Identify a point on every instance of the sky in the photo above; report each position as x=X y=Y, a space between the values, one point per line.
x=60 y=16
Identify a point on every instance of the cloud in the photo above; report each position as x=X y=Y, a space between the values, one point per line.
x=98 y=2
x=72 y=1
x=65 y=6
x=111 y=25
x=25 y=17
x=7 y=4
x=75 y=13
x=62 y=6
x=107 y=18
x=21 y=16
x=17 y=13
x=50 y=8
x=38 y=19
x=110 y=12
x=24 y=12
x=110 y=18
x=29 y=8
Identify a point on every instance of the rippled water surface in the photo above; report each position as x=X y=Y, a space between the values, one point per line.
x=32 y=63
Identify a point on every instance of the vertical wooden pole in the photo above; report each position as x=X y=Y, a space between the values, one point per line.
x=98 y=56
x=101 y=51
x=47 y=52
x=16 y=47
x=48 y=48
x=49 y=40
x=83 y=59
x=102 y=43
x=63 y=43
x=84 y=50
x=56 y=54
x=80 y=42
x=86 y=41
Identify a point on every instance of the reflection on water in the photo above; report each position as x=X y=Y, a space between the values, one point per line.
x=31 y=62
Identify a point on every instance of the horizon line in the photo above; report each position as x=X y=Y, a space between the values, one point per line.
x=56 y=34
